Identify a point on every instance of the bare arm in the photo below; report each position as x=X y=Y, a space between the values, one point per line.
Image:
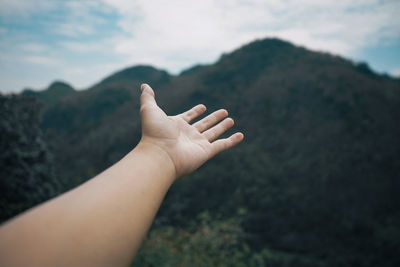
x=103 y=221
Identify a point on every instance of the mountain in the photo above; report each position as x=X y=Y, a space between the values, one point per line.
x=316 y=179
x=52 y=94
x=137 y=74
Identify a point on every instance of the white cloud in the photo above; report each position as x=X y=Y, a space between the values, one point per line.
x=83 y=18
x=33 y=47
x=101 y=46
x=74 y=29
x=177 y=33
x=24 y=8
x=42 y=60
x=395 y=72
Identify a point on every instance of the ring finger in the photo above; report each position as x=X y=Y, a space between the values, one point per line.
x=210 y=120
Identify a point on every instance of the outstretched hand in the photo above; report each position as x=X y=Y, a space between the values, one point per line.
x=187 y=145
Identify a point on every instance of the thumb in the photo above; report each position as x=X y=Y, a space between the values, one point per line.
x=147 y=97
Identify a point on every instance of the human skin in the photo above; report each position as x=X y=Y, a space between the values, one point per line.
x=103 y=221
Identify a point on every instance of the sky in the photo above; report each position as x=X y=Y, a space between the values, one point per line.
x=82 y=42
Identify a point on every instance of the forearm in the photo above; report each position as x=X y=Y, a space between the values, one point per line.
x=100 y=223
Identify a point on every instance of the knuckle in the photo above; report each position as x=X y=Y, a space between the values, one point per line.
x=224 y=126
x=190 y=114
x=214 y=117
x=187 y=116
x=211 y=135
x=143 y=108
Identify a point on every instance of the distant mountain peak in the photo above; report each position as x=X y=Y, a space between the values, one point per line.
x=193 y=69
x=140 y=68
x=53 y=93
x=141 y=73
x=60 y=85
x=269 y=45
x=269 y=42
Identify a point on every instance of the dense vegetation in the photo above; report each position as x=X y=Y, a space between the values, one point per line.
x=26 y=169
x=315 y=182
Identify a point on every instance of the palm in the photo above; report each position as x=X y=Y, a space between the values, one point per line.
x=189 y=146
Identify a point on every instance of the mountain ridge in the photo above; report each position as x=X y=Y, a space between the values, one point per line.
x=266 y=46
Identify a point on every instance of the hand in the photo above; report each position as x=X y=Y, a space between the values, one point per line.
x=188 y=146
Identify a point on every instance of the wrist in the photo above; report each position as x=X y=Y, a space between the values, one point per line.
x=157 y=158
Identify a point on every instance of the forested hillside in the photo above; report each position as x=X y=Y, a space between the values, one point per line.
x=27 y=175
x=315 y=182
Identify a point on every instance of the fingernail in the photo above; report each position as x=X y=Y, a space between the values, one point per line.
x=143 y=86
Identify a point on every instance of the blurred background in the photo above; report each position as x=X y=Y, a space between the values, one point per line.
x=314 y=85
